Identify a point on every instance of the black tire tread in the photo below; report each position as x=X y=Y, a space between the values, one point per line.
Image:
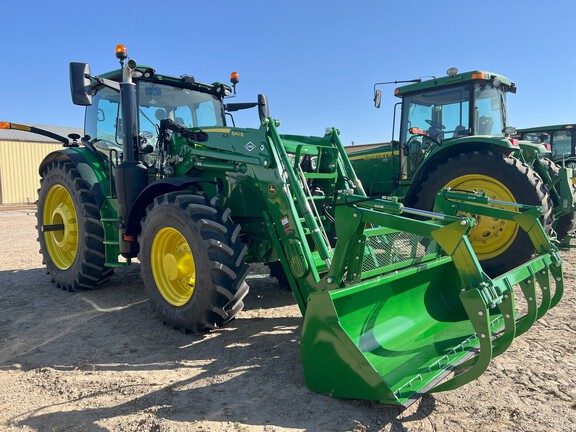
x=88 y=270
x=223 y=298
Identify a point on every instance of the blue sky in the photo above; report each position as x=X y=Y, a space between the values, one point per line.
x=316 y=61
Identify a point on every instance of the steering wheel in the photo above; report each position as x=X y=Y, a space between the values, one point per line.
x=435 y=124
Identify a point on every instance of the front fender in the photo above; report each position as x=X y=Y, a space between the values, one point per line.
x=159 y=187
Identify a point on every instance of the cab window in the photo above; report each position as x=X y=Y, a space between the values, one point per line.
x=102 y=123
x=562 y=143
x=489 y=110
x=443 y=113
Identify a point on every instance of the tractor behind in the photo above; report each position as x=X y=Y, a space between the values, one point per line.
x=453 y=134
x=560 y=139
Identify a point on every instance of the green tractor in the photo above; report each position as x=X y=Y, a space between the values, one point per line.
x=556 y=165
x=559 y=139
x=453 y=134
x=393 y=305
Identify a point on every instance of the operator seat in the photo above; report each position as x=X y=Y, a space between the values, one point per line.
x=485 y=125
x=458 y=131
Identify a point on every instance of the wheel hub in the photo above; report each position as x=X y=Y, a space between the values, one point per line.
x=490 y=236
x=173 y=266
x=62 y=245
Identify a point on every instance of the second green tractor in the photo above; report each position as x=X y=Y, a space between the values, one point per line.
x=452 y=132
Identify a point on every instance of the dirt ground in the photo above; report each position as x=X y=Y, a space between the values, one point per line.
x=101 y=361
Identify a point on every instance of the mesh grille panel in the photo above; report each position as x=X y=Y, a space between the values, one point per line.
x=398 y=249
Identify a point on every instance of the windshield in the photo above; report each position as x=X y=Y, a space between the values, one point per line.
x=442 y=113
x=184 y=106
x=446 y=113
x=561 y=141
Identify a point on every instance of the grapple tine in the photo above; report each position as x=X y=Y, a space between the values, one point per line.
x=501 y=337
x=529 y=290
x=556 y=270
x=479 y=316
x=504 y=340
x=543 y=279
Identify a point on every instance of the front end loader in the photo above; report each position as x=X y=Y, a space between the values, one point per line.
x=395 y=302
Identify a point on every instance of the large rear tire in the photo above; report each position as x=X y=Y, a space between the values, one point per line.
x=70 y=232
x=192 y=262
x=499 y=245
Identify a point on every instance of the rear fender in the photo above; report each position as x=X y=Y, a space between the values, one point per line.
x=89 y=167
x=448 y=149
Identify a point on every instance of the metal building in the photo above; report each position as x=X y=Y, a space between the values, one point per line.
x=20 y=156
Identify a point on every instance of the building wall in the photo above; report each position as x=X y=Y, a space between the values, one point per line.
x=19 y=162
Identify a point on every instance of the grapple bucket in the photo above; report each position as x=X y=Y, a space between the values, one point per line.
x=395 y=306
x=414 y=305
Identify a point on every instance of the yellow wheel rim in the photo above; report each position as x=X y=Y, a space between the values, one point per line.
x=59 y=211
x=490 y=237
x=173 y=266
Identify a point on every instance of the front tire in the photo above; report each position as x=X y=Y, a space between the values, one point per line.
x=499 y=245
x=70 y=232
x=192 y=262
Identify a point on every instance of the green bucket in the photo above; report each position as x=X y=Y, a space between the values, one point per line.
x=413 y=305
x=395 y=337
x=388 y=339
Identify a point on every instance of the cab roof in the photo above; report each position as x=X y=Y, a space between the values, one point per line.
x=453 y=80
x=548 y=128
x=149 y=73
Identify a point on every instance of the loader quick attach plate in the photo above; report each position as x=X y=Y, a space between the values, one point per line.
x=419 y=309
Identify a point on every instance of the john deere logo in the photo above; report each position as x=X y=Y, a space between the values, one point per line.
x=250 y=146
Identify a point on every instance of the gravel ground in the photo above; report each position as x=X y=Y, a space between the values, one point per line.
x=101 y=361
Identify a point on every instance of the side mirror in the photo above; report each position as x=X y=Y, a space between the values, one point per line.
x=509 y=131
x=80 y=86
x=263 y=108
x=377 y=98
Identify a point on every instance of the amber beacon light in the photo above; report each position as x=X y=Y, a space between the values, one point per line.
x=121 y=52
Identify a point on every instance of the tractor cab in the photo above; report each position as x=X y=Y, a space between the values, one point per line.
x=182 y=101
x=449 y=108
x=178 y=103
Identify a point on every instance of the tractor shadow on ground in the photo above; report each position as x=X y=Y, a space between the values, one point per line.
x=248 y=373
